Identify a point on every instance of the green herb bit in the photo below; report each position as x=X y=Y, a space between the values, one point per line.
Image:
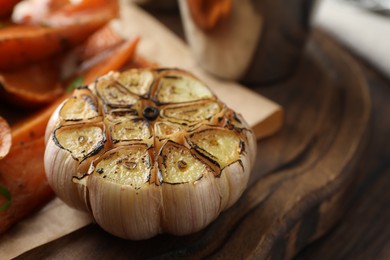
x=74 y=84
x=6 y=194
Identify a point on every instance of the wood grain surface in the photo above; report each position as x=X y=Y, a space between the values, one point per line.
x=364 y=231
x=302 y=183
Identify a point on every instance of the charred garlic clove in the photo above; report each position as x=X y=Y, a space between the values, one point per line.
x=79 y=108
x=163 y=130
x=114 y=94
x=178 y=165
x=175 y=88
x=222 y=147
x=133 y=130
x=193 y=113
x=147 y=152
x=138 y=82
x=129 y=165
x=80 y=140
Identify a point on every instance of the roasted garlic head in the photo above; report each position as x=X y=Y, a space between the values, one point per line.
x=147 y=152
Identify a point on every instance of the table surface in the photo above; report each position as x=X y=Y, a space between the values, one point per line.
x=364 y=230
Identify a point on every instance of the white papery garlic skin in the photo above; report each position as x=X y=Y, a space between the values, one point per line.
x=148 y=152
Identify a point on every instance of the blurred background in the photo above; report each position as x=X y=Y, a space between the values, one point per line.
x=363 y=26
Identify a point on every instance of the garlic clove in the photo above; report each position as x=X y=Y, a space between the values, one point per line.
x=61 y=168
x=121 y=114
x=134 y=130
x=122 y=201
x=220 y=146
x=178 y=165
x=193 y=113
x=191 y=197
x=164 y=130
x=189 y=207
x=177 y=88
x=127 y=165
x=115 y=95
x=81 y=140
x=124 y=210
x=77 y=108
x=138 y=82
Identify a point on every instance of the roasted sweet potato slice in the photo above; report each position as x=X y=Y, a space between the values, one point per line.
x=5 y=138
x=23 y=182
x=22 y=45
x=64 y=13
x=103 y=39
x=34 y=126
x=7 y=6
x=140 y=62
x=113 y=59
x=33 y=11
x=33 y=85
x=104 y=12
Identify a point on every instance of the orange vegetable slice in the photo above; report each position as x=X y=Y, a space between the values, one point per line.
x=33 y=85
x=7 y=6
x=64 y=13
x=113 y=59
x=23 y=182
x=23 y=44
x=103 y=39
x=5 y=138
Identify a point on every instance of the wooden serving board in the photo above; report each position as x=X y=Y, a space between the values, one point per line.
x=300 y=186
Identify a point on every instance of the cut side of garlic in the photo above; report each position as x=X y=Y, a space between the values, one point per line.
x=130 y=130
x=178 y=165
x=193 y=113
x=164 y=130
x=175 y=88
x=138 y=82
x=128 y=165
x=220 y=146
x=115 y=95
x=148 y=152
x=79 y=108
x=80 y=140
